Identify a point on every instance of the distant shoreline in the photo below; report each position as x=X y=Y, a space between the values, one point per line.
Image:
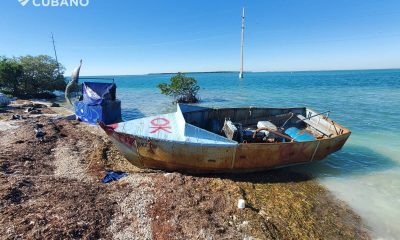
x=294 y=71
x=192 y=72
x=246 y=72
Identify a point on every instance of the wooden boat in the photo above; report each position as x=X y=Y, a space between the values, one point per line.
x=197 y=139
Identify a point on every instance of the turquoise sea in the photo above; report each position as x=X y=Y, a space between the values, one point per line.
x=365 y=173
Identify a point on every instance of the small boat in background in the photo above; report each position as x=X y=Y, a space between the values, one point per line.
x=200 y=140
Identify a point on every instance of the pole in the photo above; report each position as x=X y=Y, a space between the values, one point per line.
x=241 y=50
x=55 y=53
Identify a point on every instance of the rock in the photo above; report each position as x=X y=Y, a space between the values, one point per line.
x=26 y=104
x=17 y=117
x=55 y=105
x=33 y=110
x=244 y=224
x=39 y=105
x=262 y=213
x=29 y=109
x=29 y=104
x=71 y=117
x=37 y=111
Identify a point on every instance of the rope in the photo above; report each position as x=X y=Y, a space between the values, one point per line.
x=315 y=151
x=292 y=114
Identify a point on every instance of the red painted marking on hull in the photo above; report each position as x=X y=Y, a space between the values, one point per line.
x=160 y=126
x=125 y=139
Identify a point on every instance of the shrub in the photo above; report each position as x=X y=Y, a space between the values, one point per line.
x=183 y=89
x=31 y=76
x=10 y=76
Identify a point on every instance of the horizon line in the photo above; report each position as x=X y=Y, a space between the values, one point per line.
x=223 y=71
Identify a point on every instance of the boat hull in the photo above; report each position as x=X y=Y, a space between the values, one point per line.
x=203 y=158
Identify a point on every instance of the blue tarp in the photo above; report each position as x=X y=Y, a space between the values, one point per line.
x=95 y=93
x=108 y=112
x=98 y=103
x=113 y=176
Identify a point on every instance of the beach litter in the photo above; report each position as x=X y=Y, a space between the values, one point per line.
x=33 y=110
x=113 y=176
x=241 y=204
x=36 y=104
x=17 y=117
x=55 y=105
x=39 y=133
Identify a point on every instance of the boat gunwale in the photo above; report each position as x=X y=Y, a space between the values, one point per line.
x=230 y=144
x=235 y=143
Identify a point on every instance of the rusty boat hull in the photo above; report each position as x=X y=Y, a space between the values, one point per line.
x=185 y=141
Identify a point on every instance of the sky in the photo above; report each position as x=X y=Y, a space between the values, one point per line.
x=122 y=37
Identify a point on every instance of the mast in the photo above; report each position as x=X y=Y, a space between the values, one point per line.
x=241 y=49
x=55 y=53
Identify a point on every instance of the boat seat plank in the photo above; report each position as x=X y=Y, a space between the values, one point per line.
x=314 y=125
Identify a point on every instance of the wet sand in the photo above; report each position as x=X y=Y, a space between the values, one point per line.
x=52 y=189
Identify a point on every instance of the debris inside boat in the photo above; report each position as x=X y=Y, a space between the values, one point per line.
x=199 y=139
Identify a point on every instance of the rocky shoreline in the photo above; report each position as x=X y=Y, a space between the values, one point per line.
x=51 y=188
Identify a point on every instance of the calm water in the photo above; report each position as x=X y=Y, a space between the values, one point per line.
x=365 y=174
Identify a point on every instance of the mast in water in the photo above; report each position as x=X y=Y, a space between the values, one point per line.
x=241 y=50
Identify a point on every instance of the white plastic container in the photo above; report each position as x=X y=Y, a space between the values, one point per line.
x=241 y=204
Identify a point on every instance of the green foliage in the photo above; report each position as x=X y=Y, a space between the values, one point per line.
x=10 y=76
x=183 y=89
x=31 y=76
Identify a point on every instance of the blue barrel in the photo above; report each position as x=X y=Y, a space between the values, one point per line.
x=299 y=135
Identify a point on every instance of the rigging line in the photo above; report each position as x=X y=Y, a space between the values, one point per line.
x=292 y=114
